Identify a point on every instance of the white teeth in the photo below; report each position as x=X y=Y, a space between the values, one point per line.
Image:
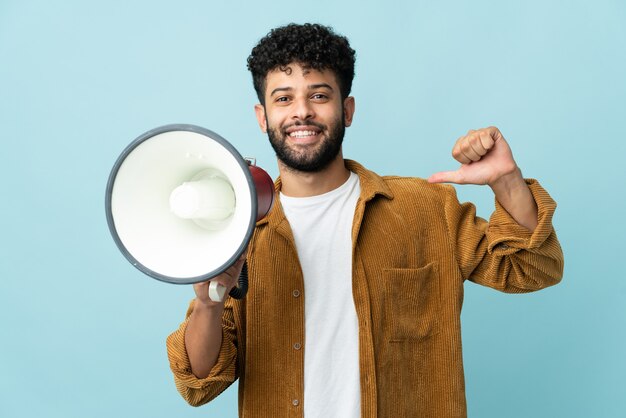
x=300 y=134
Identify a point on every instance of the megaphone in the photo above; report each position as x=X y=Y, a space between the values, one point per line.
x=181 y=204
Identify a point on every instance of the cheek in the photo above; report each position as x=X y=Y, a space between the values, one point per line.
x=334 y=114
x=275 y=122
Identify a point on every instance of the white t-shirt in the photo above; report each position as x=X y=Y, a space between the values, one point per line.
x=322 y=228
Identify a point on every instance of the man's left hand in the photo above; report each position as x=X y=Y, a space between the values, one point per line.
x=485 y=158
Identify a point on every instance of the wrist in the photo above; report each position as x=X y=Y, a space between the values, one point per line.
x=508 y=182
x=208 y=307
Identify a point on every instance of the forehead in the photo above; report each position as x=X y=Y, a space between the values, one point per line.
x=296 y=76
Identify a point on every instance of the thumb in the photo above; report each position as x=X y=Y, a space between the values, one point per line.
x=446 y=177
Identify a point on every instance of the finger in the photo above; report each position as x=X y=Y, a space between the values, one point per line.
x=200 y=287
x=487 y=140
x=227 y=278
x=232 y=274
x=477 y=145
x=466 y=153
x=236 y=268
x=244 y=254
x=446 y=177
x=457 y=153
x=494 y=133
x=202 y=291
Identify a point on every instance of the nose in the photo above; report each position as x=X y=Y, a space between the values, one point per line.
x=302 y=110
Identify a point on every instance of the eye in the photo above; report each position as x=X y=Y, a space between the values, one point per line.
x=319 y=96
x=282 y=99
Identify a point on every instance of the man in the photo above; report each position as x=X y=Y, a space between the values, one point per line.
x=356 y=280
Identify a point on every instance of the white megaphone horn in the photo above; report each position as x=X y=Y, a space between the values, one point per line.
x=181 y=204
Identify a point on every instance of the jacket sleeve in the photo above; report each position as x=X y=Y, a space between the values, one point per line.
x=200 y=391
x=502 y=254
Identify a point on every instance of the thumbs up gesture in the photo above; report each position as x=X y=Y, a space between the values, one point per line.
x=485 y=158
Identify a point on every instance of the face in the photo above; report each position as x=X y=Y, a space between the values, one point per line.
x=304 y=117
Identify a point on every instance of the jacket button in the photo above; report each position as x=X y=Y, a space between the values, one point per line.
x=297 y=346
x=296 y=293
x=295 y=402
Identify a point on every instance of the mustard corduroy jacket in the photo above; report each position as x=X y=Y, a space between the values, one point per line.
x=414 y=245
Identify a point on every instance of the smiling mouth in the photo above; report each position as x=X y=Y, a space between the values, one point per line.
x=302 y=134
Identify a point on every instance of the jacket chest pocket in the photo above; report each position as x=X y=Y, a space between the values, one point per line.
x=412 y=302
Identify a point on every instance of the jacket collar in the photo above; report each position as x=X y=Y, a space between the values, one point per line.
x=371 y=185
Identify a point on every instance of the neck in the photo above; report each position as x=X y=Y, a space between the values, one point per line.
x=302 y=184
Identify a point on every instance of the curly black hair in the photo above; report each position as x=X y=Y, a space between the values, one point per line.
x=311 y=45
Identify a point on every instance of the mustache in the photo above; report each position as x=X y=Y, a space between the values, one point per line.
x=302 y=123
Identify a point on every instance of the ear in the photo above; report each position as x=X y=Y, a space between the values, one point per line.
x=348 y=110
x=259 y=110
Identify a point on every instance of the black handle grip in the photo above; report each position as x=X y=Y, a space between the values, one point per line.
x=239 y=291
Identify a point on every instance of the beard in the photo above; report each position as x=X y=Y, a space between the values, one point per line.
x=305 y=158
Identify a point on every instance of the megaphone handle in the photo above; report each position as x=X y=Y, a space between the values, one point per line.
x=241 y=289
x=216 y=291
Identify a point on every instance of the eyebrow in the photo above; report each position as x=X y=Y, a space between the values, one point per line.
x=310 y=87
x=320 y=86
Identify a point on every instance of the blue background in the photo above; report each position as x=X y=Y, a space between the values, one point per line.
x=83 y=332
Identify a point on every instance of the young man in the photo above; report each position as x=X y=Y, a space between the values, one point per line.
x=356 y=280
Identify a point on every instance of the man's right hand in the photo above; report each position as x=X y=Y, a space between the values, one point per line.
x=203 y=335
x=228 y=279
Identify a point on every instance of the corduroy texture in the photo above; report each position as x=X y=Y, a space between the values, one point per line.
x=413 y=247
